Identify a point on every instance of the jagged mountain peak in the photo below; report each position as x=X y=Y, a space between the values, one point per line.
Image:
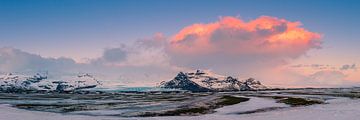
x=208 y=81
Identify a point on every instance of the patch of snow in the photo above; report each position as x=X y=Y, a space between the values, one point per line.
x=253 y=104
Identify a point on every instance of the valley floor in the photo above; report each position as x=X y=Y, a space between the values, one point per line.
x=336 y=109
x=257 y=108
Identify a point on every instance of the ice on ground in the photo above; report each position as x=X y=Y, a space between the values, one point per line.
x=9 y=113
x=336 y=109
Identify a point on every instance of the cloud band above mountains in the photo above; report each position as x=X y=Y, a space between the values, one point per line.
x=231 y=35
x=231 y=46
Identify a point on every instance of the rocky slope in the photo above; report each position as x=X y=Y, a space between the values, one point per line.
x=20 y=83
x=201 y=81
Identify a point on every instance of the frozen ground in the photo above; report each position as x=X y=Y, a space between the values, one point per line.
x=259 y=107
x=336 y=109
x=9 y=113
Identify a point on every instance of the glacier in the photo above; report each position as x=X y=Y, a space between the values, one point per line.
x=40 y=82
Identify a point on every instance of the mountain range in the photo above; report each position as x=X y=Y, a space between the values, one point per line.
x=204 y=81
x=40 y=82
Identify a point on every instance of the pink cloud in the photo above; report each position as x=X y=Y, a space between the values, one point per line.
x=231 y=35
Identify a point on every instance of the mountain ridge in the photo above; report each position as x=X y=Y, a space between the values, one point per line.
x=18 y=83
x=206 y=81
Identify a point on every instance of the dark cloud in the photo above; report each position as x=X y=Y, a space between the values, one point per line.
x=115 y=54
x=313 y=66
x=15 y=60
x=348 y=67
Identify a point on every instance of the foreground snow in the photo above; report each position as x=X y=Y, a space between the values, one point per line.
x=336 y=109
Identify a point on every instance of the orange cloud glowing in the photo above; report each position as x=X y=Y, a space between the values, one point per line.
x=231 y=35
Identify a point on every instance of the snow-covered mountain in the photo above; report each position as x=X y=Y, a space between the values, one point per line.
x=19 y=83
x=200 y=81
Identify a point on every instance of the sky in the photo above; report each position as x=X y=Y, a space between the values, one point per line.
x=280 y=42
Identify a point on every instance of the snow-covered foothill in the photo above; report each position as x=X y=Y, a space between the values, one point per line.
x=40 y=82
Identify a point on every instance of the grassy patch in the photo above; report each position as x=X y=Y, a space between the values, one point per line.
x=198 y=110
x=261 y=110
x=201 y=110
x=299 y=101
x=231 y=100
x=183 y=111
x=278 y=97
x=64 y=108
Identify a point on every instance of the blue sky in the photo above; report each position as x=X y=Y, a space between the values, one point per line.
x=95 y=24
x=80 y=29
